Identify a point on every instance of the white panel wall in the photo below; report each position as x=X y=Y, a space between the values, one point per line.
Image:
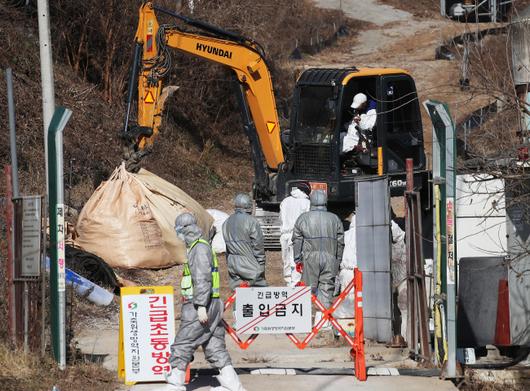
x=481 y=216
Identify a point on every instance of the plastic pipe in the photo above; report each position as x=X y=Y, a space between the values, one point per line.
x=86 y=288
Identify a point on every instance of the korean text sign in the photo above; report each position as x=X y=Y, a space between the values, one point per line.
x=148 y=322
x=273 y=310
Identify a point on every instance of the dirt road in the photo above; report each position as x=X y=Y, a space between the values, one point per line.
x=323 y=383
x=367 y=10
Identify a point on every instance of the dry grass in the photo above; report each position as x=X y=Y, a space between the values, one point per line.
x=21 y=372
x=491 y=80
x=3 y=277
x=516 y=381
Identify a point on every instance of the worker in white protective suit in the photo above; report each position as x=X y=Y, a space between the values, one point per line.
x=318 y=243
x=202 y=312
x=347 y=266
x=359 y=135
x=399 y=274
x=290 y=209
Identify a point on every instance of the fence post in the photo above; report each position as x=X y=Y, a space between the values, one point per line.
x=57 y=232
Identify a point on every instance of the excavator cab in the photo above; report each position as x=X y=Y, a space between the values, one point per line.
x=320 y=118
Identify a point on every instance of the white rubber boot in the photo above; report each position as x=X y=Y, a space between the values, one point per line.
x=229 y=380
x=175 y=381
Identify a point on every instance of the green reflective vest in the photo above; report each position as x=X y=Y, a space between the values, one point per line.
x=186 y=285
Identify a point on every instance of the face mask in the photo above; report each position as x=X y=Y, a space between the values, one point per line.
x=181 y=236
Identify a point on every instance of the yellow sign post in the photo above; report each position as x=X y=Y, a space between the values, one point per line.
x=147 y=330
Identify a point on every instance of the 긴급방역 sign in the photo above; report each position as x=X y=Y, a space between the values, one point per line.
x=147 y=331
x=273 y=310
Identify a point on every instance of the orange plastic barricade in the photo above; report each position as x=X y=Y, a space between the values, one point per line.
x=357 y=342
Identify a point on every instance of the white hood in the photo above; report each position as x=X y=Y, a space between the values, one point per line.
x=297 y=193
x=291 y=208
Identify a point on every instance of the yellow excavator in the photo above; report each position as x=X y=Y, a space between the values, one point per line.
x=310 y=151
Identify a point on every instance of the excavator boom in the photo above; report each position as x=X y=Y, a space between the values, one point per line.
x=237 y=53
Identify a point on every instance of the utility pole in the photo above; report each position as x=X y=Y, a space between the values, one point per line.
x=57 y=294
x=46 y=70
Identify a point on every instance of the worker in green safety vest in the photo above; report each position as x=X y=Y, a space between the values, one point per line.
x=202 y=312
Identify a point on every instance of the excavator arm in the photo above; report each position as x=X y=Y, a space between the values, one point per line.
x=153 y=62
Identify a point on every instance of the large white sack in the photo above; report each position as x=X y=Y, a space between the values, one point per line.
x=129 y=221
x=218 y=241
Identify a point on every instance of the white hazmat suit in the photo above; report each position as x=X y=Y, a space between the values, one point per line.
x=347 y=266
x=399 y=273
x=360 y=132
x=290 y=209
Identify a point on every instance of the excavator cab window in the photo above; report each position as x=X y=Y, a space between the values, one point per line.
x=366 y=85
x=357 y=162
x=313 y=138
x=400 y=123
x=316 y=116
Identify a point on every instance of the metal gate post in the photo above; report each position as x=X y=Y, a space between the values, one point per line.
x=444 y=172
x=57 y=232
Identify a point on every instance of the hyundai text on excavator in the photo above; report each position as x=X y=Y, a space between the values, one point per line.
x=311 y=150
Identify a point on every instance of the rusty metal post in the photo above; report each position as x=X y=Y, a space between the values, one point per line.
x=409 y=166
x=10 y=254
x=12 y=132
x=411 y=336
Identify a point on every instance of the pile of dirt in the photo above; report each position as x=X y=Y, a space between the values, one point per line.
x=19 y=371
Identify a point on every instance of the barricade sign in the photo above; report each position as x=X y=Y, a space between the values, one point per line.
x=277 y=310
x=257 y=310
x=147 y=330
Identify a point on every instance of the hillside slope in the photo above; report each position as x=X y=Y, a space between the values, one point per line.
x=201 y=147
